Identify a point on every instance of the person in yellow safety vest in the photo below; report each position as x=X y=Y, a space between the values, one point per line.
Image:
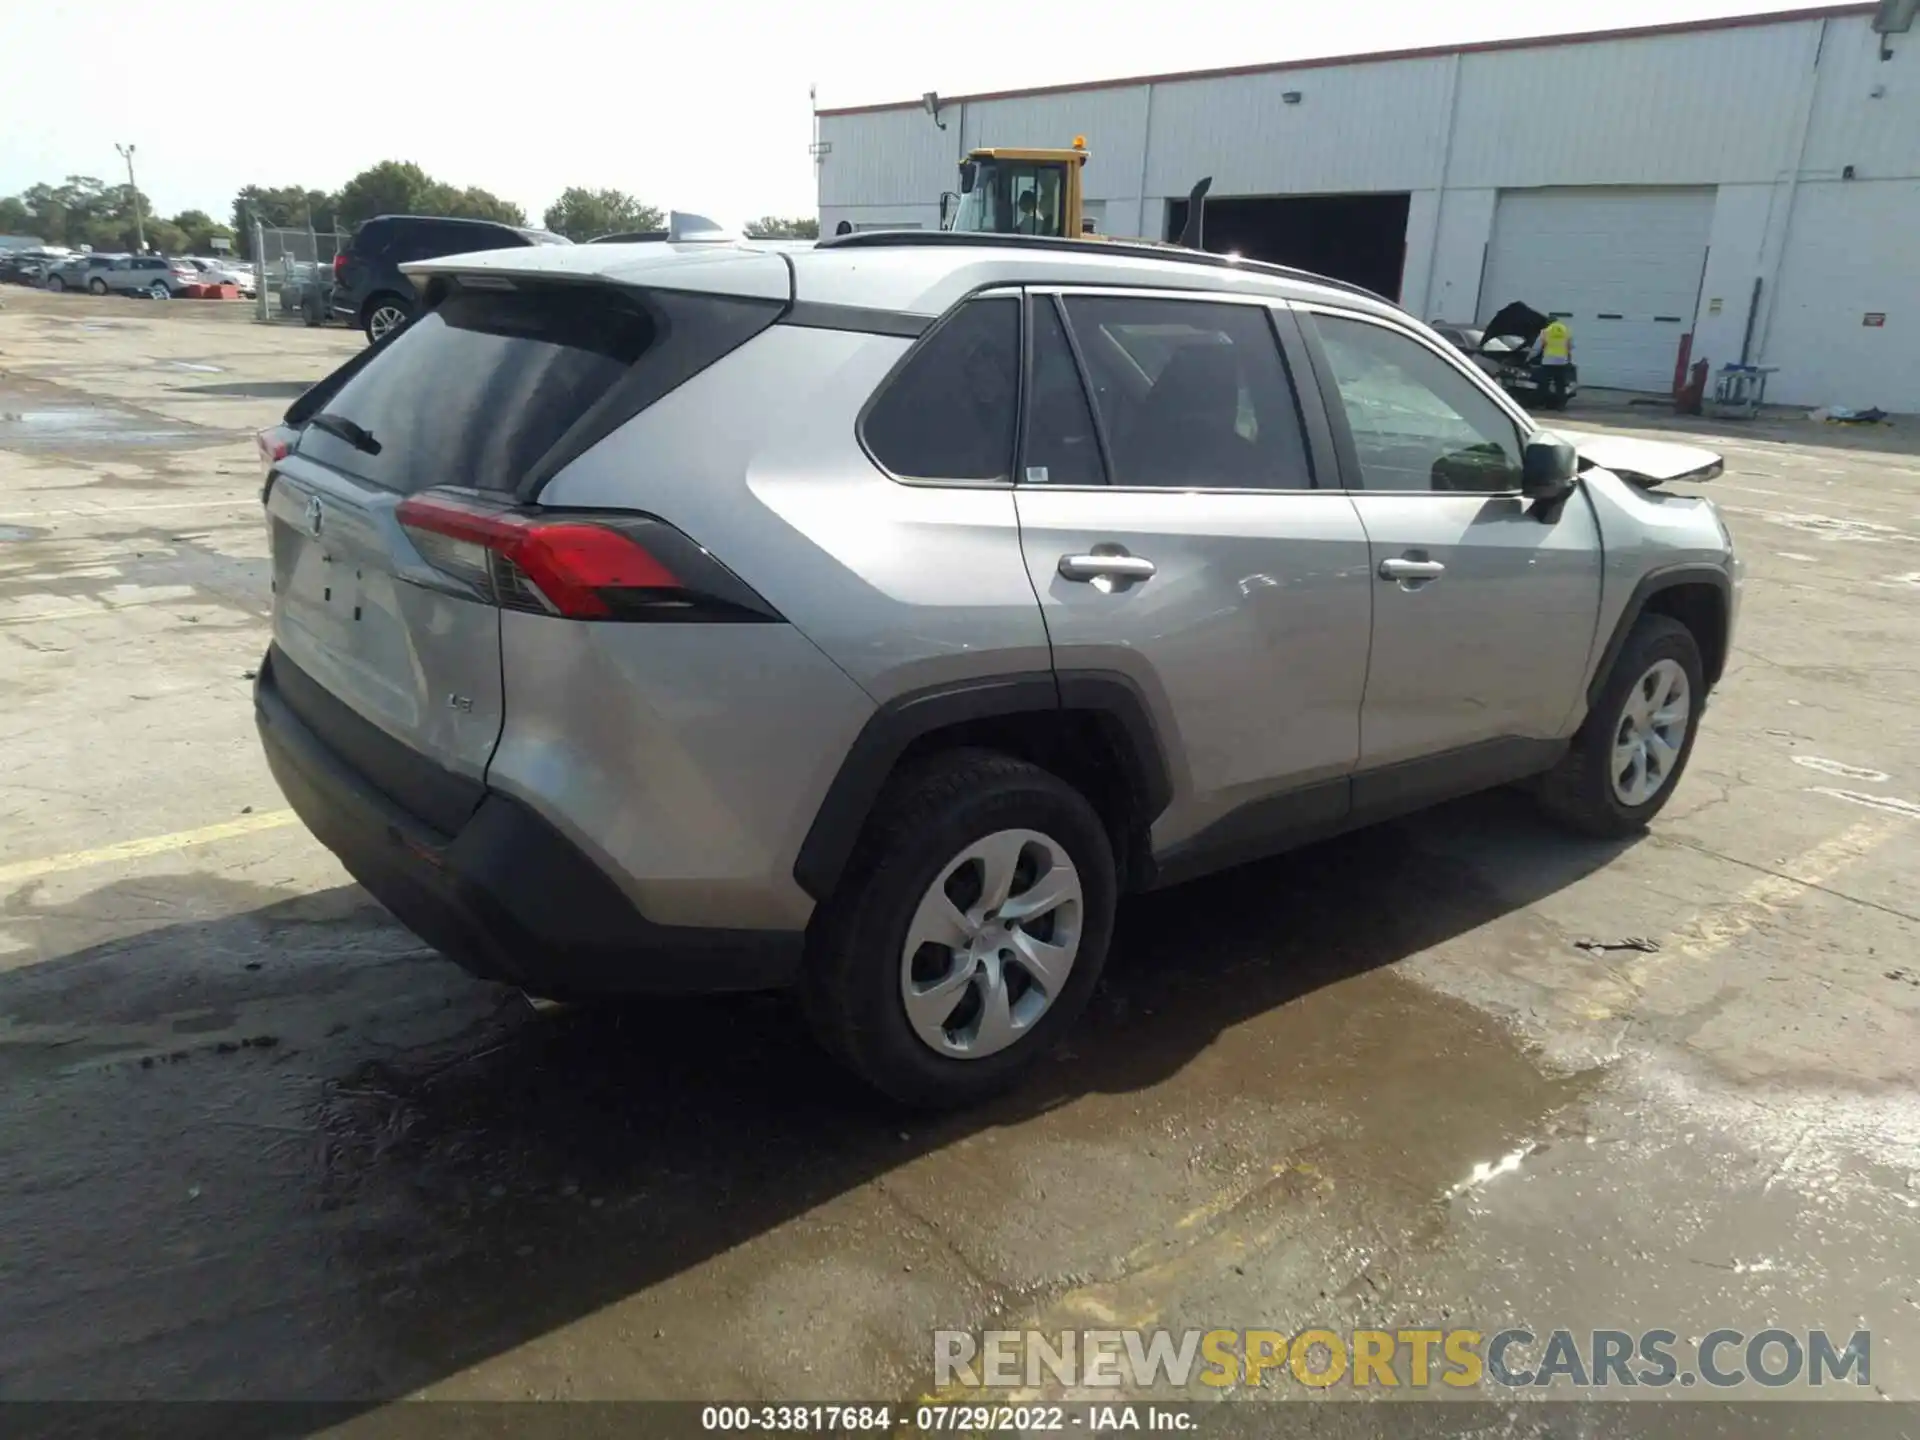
x=1554 y=348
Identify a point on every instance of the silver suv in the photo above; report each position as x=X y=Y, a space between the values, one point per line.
x=82 y=272
x=867 y=618
x=151 y=275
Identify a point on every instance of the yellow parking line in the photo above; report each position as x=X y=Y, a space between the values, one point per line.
x=1716 y=929
x=21 y=870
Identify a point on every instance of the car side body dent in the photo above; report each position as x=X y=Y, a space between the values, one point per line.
x=1654 y=541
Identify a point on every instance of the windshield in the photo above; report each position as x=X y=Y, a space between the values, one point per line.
x=1013 y=197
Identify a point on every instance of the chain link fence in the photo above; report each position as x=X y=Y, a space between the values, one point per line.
x=296 y=271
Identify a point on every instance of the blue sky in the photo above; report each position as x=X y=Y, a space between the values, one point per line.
x=698 y=105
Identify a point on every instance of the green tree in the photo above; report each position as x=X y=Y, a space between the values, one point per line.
x=292 y=207
x=393 y=187
x=286 y=206
x=72 y=212
x=399 y=187
x=199 y=228
x=471 y=203
x=166 y=238
x=581 y=214
x=773 y=227
x=16 y=218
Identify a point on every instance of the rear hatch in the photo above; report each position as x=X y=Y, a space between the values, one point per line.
x=471 y=395
x=479 y=397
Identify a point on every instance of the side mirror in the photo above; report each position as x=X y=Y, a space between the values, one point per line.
x=969 y=173
x=949 y=203
x=1547 y=468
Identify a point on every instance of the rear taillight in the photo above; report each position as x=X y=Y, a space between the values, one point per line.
x=274 y=443
x=578 y=565
x=339 y=263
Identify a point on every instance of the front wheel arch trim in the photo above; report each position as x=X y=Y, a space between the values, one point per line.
x=1650 y=585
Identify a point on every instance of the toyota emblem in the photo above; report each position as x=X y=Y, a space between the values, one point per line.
x=315 y=515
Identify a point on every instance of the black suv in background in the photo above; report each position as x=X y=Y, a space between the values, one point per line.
x=368 y=289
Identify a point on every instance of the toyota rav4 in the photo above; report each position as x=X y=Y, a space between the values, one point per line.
x=867 y=618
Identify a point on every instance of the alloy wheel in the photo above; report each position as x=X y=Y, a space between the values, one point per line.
x=384 y=320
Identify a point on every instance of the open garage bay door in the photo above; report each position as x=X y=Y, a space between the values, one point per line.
x=1362 y=238
x=1623 y=265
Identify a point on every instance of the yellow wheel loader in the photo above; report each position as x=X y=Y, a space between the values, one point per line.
x=1037 y=192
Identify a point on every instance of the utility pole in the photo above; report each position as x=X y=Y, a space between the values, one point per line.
x=139 y=225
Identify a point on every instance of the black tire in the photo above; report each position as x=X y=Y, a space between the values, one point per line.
x=1579 y=791
x=56 y=284
x=97 y=286
x=375 y=307
x=926 y=817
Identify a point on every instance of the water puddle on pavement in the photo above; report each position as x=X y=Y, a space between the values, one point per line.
x=44 y=418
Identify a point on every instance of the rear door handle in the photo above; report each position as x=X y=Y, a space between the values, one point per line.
x=1411 y=569
x=1112 y=567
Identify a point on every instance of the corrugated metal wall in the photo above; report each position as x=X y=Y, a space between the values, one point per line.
x=1359 y=127
x=1714 y=107
x=1768 y=113
x=1697 y=109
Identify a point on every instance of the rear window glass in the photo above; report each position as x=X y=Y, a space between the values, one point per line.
x=474 y=392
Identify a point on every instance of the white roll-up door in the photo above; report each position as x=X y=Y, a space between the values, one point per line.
x=1622 y=265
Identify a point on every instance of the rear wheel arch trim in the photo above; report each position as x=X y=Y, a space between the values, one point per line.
x=896 y=725
x=1648 y=586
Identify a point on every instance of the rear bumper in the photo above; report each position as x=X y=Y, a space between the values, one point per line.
x=508 y=897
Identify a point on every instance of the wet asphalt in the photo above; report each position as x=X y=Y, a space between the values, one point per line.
x=257 y=1142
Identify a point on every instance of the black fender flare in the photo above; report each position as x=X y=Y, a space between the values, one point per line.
x=1115 y=698
x=1649 y=585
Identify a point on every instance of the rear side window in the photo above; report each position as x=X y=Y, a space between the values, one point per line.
x=1193 y=393
x=478 y=391
x=458 y=239
x=949 y=412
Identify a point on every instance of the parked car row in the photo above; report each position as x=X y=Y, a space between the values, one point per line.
x=160 y=276
x=30 y=267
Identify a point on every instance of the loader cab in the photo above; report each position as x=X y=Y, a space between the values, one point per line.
x=1017 y=192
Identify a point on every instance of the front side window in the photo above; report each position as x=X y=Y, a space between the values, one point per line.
x=949 y=412
x=1417 y=422
x=1193 y=394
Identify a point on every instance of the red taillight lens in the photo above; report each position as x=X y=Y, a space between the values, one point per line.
x=616 y=566
x=274 y=443
x=339 y=261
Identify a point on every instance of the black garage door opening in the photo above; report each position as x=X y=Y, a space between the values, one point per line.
x=1362 y=238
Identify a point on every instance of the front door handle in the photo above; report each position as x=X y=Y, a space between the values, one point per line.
x=1411 y=569
x=1110 y=567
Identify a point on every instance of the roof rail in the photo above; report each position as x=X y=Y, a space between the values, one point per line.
x=1143 y=249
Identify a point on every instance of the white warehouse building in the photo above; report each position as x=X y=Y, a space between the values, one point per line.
x=1752 y=183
